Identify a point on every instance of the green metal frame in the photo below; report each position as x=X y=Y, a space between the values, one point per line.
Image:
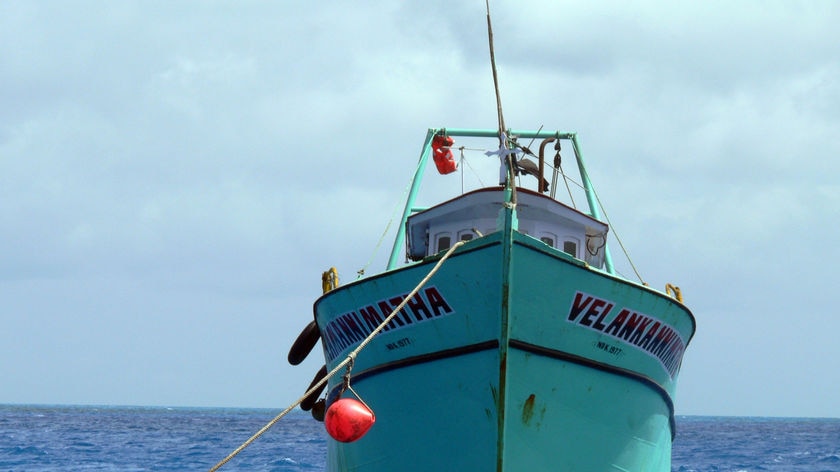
x=591 y=199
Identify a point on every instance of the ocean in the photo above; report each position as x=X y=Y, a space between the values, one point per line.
x=85 y=438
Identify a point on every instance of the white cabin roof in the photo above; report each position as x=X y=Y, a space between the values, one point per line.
x=537 y=215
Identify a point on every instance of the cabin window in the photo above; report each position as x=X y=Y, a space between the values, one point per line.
x=548 y=238
x=467 y=234
x=570 y=247
x=444 y=242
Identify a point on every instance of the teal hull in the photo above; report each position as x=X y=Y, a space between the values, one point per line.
x=513 y=357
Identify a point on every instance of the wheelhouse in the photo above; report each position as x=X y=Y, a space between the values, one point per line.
x=474 y=214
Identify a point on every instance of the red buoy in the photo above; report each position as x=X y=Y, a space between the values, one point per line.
x=348 y=419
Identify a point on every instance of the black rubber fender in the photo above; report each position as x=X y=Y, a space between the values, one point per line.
x=319 y=410
x=310 y=399
x=304 y=343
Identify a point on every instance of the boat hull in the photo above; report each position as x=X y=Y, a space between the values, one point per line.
x=513 y=357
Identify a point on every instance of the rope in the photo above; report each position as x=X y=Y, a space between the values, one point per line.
x=569 y=189
x=399 y=307
x=615 y=233
x=461 y=165
x=568 y=179
x=349 y=359
x=466 y=163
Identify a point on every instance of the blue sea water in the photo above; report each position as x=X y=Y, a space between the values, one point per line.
x=70 y=438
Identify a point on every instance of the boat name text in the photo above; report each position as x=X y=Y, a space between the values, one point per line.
x=652 y=336
x=352 y=327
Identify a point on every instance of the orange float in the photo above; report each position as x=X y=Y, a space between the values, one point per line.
x=442 y=154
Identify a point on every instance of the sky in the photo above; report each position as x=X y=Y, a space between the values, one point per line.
x=175 y=176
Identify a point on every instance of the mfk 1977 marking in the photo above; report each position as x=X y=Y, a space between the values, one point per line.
x=644 y=332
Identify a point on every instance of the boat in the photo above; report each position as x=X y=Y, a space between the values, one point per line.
x=500 y=335
x=523 y=350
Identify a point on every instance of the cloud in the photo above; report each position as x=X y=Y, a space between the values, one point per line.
x=178 y=176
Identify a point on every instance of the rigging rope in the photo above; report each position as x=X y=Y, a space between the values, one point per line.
x=347 y=360
x=567 y=179
x=615 y=233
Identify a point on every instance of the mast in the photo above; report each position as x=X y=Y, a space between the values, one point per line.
x=507 y=174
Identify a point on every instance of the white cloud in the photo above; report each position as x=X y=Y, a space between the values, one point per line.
x=184 y=165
